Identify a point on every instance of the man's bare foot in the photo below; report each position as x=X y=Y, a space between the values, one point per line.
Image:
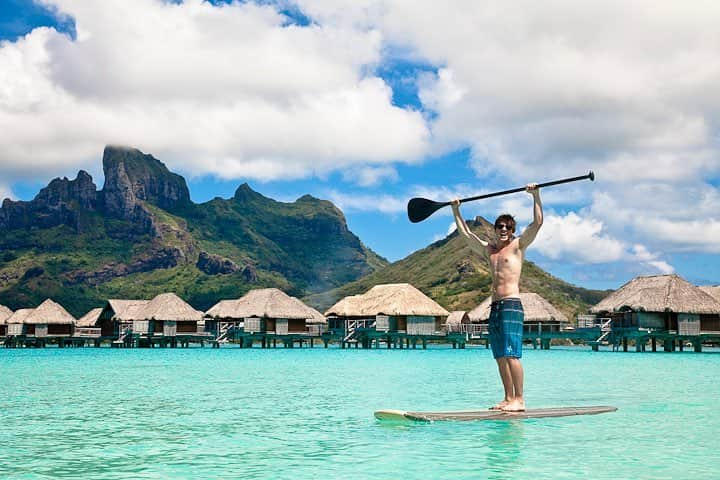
x=515 y=405
x=500 y=406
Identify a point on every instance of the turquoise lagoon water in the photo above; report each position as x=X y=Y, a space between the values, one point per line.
x=307 y=413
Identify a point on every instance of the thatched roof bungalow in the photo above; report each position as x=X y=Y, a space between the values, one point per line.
x=5 y=313
x=49 y=319
x=538 y=311
x=16 y=321
x=662 y=302
x=397 y=307
x=169 y=315
x=267 y=310
x=119 y=315
x=89 y=324
x=456 y=319
x=166 y=314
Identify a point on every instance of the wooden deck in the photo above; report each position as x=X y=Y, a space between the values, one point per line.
x=618 y=339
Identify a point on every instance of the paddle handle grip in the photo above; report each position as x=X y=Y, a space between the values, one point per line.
x=590 y=176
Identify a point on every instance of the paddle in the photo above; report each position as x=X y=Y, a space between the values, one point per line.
x=421 y=208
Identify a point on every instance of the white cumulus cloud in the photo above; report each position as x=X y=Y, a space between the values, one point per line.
x=232 y=91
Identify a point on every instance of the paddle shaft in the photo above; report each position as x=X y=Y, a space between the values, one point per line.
x=590 y=176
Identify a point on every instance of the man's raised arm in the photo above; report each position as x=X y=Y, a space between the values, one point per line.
x=473 y=241
x=532 y=230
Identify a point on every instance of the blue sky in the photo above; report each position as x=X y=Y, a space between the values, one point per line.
x=369 y=103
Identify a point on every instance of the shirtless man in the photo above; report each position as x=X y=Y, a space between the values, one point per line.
x=505 y=326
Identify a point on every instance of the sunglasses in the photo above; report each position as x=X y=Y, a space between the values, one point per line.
x=502 y=226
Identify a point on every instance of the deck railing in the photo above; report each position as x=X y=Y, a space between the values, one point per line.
x=87 y=332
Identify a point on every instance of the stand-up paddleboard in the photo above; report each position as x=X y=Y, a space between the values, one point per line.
x=404 y=416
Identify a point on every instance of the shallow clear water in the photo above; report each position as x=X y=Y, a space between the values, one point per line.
x=307 y=413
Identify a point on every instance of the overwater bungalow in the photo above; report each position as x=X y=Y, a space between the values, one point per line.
x=118 y=317
x=666 y=303
x=392 y=308
x=456 y=320
x=266 y=311
x=89 y=324
x=540 y=315
x=16 y=322
x=171 y=316
x=165 y=317
x=5 y=313
x=49 y=320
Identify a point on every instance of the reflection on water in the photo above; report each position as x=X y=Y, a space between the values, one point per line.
x=505 y=443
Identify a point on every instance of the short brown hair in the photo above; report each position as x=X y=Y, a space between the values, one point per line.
x=508 y=219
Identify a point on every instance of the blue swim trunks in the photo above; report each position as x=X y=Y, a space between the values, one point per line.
x=505 y=328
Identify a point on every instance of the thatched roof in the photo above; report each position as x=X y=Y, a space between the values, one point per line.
x=19 y=316
x=265 y=303
x=712 y=290
x=458 y=317
x=125 y=310
x=392 y=299
x=659 y=293
x=90 y=319
x=536 y=309
x=5 y=313
x=50 y=313
x=346 y=307
x=168 y=306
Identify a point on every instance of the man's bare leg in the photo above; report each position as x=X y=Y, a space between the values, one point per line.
x=506 y=377
x=517 y=403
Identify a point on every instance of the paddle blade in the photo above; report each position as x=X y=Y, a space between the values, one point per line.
x=421 y=208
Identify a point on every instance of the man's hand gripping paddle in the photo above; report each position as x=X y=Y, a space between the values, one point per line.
x=421 y=208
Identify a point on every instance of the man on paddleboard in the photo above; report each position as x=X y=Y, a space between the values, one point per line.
x=505 y=326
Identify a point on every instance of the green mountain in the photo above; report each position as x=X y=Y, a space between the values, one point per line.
x=142 y=235
x=459 y=279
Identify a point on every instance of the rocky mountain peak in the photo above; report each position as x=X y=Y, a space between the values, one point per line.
x=60 y=203
x=132 y=176
x=244 y=193
x=62 y=191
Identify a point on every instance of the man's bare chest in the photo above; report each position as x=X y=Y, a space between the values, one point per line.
x=507 y=258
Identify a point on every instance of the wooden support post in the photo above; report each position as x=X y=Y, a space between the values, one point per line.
x=697 y=343
x=625 y=344
x=653 y=342
x=681 y=344
x=424 y=344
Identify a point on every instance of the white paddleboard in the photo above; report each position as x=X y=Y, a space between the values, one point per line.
x=465 y=415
